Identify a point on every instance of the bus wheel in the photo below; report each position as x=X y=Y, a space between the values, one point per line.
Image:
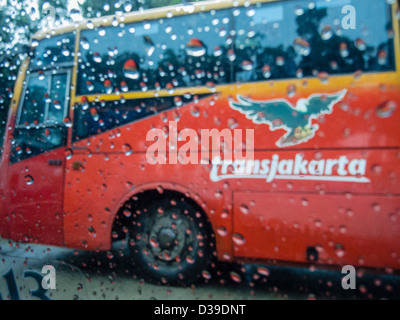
x=171 y=241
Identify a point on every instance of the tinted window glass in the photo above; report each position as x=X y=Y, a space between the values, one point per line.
x=297 y=38
x=178 y=52
x=48 y=52
x=273 y=40
x=29 y=142
x=57 y=105
x=41 y=124
x=35 y=100
x=45 y=99
x=96 y=117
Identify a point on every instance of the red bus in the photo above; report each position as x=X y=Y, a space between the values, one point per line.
x=316 y=83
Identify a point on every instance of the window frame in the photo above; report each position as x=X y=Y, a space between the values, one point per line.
x=48 y=73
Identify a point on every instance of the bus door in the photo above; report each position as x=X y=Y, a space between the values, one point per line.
x=35 y=174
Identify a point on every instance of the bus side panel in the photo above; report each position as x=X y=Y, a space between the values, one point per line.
x=282 y=218
x=34 y=207
x=336 y=229
x=353 y=125
x=97 y=185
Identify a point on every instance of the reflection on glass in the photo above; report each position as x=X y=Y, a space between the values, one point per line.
x=55 y=50
x=225 y=46
x=34 y=105
x=57 y=104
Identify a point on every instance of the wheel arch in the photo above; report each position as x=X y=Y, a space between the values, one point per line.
x=159 y=189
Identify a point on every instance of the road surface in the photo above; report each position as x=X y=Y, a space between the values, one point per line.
x=109 y=276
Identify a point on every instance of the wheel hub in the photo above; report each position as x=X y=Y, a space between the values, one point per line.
x=168 y=236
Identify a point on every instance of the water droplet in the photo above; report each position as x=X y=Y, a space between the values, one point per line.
x=235 y=277
x=178 y=101
x=92 y=232
x=376 y=168
x=128 y=6
x=326 y=33
x=250 y=12
x=304 y=202
x=266 y=70
x=154 y=243
x=102 y=32
x=376 y=207
x=231 y=55
x=339 y=250
x=323 y=77
x=57 y=104
x=360 y=44
x=68 y=154
x=206 y=275
x=195 y=48
x=85 y=43
x=170 y=88
x=211 y=85
x=238 y=239
x=222 y=231
x=302 y=47
x=382 y=57
x=89 y=85
x=217 y=51
x=189 y=259
x=127 y=149
x=344 y=51
x=263 y=271
x=127 y=213
x=41 y=75
x=299 y=11
x=232 y=123
x=65 y=52
x=108 y=86
x=84 y=103
x=291 y=90
x=131 y=70
x=247 y=65
x=386 y=109
x=97 y=58
x=28 y=180
x=280 y=61
x=244 y=209
x=124 y=86
x=143 y=86
x=299 y=73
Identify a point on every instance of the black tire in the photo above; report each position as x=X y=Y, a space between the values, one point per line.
x=171 y=241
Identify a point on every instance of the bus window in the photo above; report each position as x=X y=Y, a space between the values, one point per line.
x=58 y=105
x=162 y=55
x=33 y=108
x=56 y=50
x=288 y=39
x=44 y=106
x=96 y=117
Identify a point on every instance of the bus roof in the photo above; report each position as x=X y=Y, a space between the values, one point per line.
x=149 y=14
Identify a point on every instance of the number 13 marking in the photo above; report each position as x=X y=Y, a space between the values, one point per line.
x=13 y=289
